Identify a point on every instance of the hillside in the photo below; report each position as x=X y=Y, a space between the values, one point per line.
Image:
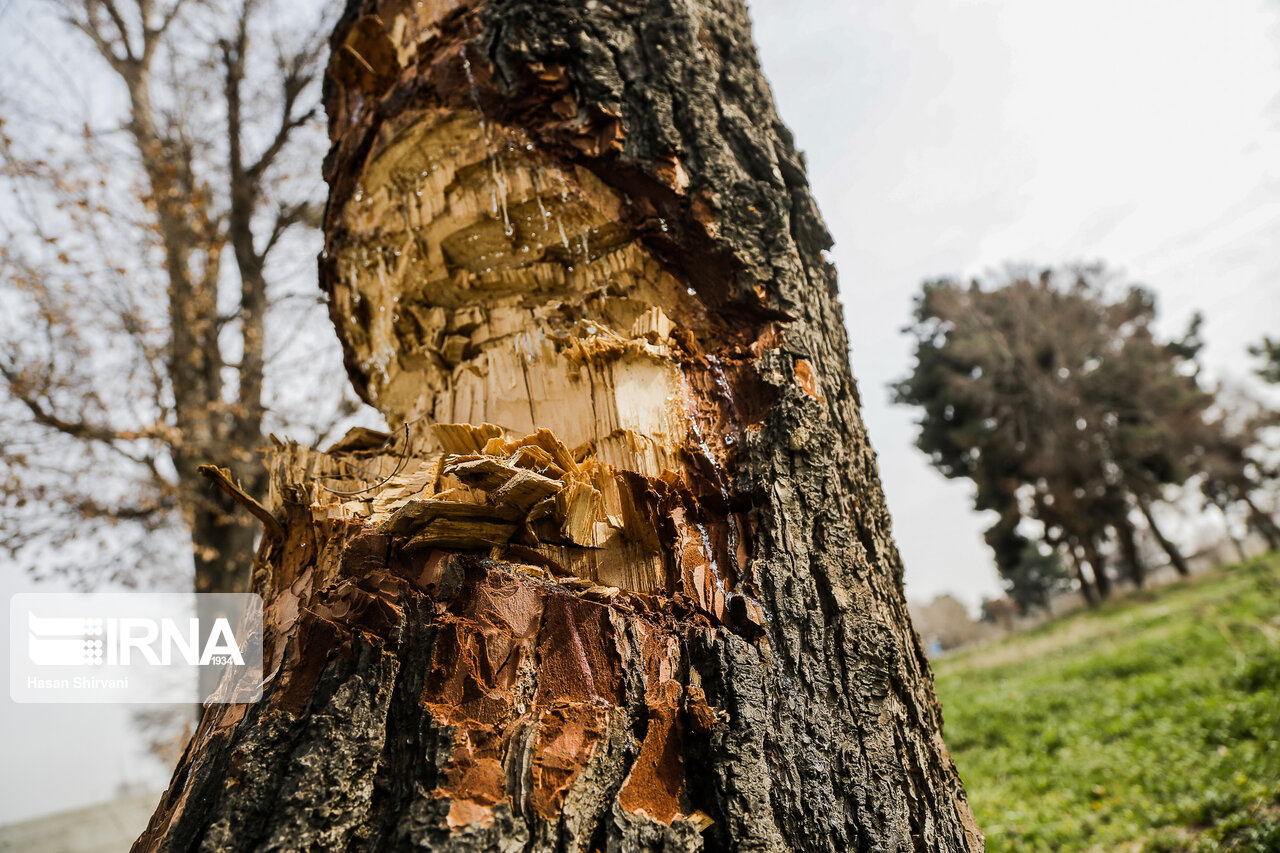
x=1149 y=725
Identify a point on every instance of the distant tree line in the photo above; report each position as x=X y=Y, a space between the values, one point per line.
x=1052 y=392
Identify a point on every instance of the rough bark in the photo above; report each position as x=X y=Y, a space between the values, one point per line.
x=621 y=577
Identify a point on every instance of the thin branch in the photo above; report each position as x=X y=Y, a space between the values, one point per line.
x=81 y=429
x=221 y=478
x=286 y=217
x=289 y=123
x=148 y=512
x=151 y=36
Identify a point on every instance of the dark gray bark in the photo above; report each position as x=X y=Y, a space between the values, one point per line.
x=764 y=689
x=1262 y=523
x=1129 y=552
x=1178 y=561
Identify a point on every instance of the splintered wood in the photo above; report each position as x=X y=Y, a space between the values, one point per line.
x=528 y=501
x=480 y=282
x=524 y=340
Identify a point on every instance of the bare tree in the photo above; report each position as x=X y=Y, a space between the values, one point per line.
x=157 y=196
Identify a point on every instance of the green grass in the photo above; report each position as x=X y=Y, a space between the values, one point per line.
x=1147 y=725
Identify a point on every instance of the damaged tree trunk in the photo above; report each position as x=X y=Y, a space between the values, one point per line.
x=621 y=575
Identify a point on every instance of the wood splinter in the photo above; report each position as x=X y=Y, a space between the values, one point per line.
x=221 y=477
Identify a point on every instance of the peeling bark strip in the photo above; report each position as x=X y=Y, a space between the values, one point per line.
x=630 y=585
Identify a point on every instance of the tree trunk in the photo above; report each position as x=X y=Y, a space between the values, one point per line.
x=1098 y=565
x=1262 y=523
x=1129 y=552
x=222 y=537
x=1087 y=588
x=223 y=534
x=621 y=578
x=1226 y=528
x=1175 y=556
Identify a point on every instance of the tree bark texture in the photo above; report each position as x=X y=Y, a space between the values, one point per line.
x=621 y=576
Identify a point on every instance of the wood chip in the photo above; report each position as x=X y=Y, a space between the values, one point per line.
x=465 y=438
x=462 y=533
x=578 y=507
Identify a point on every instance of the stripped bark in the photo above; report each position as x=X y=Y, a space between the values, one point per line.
x=621 y=577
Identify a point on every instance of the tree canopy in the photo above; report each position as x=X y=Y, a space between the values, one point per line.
x=1268 y=352
x=1052 y=391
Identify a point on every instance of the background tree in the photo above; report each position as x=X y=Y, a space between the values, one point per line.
x=946 y=622
x=154 y=196
x=1268 y=352
x=1234 y=470
x=1056 y=398
x=1036 y=577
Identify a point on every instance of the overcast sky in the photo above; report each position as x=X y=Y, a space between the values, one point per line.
x=944 y=138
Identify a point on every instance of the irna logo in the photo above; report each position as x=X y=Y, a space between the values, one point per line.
x=135 y=647
x=55 y=641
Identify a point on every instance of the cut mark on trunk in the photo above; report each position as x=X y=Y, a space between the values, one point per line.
x=529 y=501
x=540 y=311
x=477 y=279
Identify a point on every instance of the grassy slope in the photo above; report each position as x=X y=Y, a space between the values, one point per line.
x=1151 y=724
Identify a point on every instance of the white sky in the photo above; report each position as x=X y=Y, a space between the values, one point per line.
x=944 y=138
